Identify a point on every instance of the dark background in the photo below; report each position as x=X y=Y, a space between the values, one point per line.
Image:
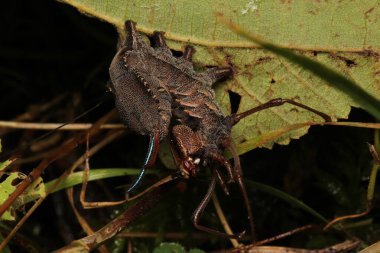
x=48 y=49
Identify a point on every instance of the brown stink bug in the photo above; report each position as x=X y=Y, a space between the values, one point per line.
x=157 y=94
x=141 y=98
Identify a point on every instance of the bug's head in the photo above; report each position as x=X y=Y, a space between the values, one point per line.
x=189 y=166
x=189 y=146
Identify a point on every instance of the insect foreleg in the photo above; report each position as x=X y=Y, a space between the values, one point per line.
x=238 y=178
x=221 y=182
x=199 y=210
x=225 y=163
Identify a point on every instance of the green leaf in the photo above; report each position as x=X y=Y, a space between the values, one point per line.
x=343 y=35
x=4 y=164
x=339 y=81
x=6 y=189
x=33 y=192
x=95 y=174
x=38 y=188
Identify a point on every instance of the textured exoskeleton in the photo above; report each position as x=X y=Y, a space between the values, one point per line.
x=151 y=86
x=157 y=93
x=142 y=100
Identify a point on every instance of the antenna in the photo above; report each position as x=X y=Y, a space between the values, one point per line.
x=43 y=136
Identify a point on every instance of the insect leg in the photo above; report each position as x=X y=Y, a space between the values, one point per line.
x=222 y=183
x=199 y=210
x=188 y=53
x=217 y=73
x=132 y=36
x=150 y=158
x=236 y=117
x=238 y=178
x=224 y=162
x=159 y=39
x=159 y=43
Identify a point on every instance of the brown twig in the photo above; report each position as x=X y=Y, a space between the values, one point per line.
x=86 y=174
x=59 y=153
x=223 y=220
x=23 y=242
x=151 y=188
x=83 y=223
x=286 y=234
x=343 y=247
x=117 y=225
x=81 y=220
x=34 y=158
x=65 y=149
x=346 y=217
x=35 y=110
x=53 y=126
x=374 y=170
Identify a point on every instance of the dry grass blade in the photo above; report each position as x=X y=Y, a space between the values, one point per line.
x=53 y=126
x=286 y=234
x=117 y=225
x=223 y=220
x=59 y=153
x=83 y=223
x=334 y=78
x=343 y=247
x=370 y=191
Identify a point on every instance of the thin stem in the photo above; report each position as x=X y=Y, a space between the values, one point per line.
x=52 y=126
x=117 y=225
x=223 y=219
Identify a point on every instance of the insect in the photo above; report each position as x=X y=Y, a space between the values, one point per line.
x=160 y=95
